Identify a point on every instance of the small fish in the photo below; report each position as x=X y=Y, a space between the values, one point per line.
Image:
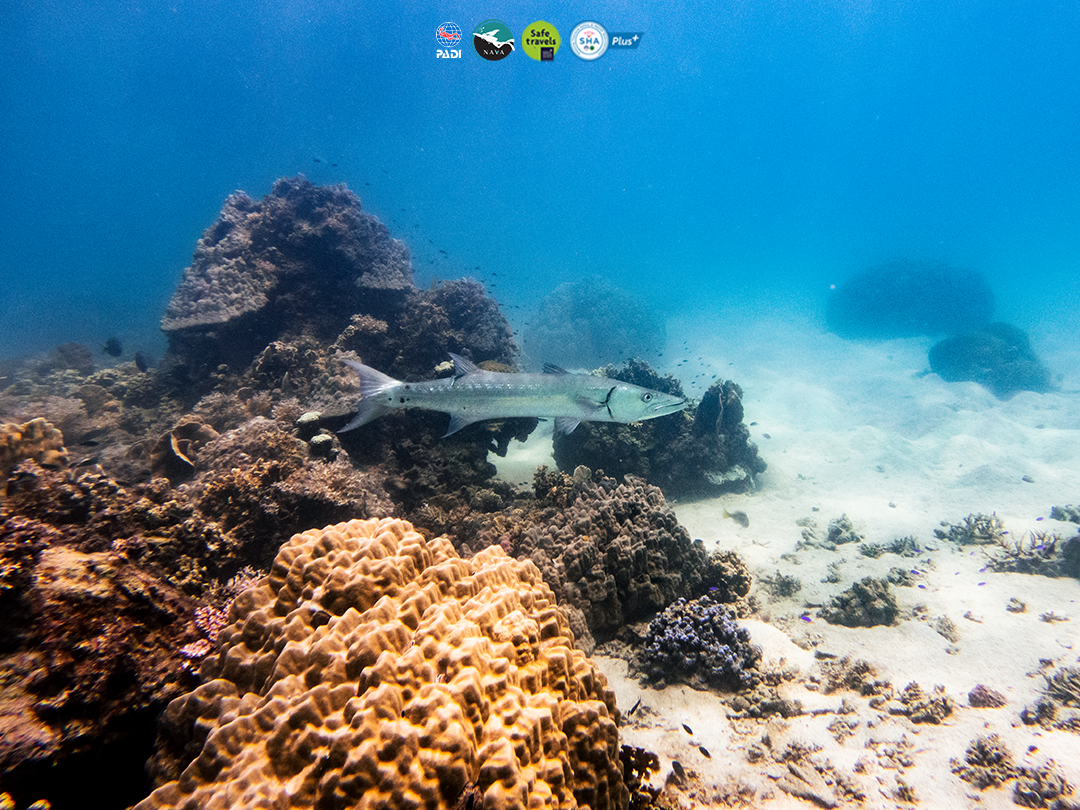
x=678 y=768
x=738 y=517
x=112 y=347
x=473 y=395
x=634 y=708
x=704 y=751
x=687 y=729
x=141 y=363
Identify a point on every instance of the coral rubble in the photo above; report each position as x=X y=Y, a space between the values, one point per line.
x=375 y=668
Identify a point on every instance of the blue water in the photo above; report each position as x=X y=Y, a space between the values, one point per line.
x=745 y=150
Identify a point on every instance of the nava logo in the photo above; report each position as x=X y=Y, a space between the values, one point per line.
x=493 y=40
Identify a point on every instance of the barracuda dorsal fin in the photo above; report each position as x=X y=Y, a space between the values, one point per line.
x=457 y=423
x=551 y=368
x=463 y=367
x=566 y=424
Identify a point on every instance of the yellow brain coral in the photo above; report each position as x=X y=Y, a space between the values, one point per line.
x=375 y=669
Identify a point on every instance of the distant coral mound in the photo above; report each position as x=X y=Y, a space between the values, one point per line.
x=906 y=298
x=590 y=322
x=998 y=356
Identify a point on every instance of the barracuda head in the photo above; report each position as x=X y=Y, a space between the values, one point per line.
x=632 y=403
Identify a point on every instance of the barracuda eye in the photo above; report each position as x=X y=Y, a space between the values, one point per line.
x=646 y=397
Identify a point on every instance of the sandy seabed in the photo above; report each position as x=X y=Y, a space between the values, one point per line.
x=859 y=429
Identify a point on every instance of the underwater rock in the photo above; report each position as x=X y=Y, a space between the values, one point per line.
x=976 y=529
x=589 y=322
x=987 y=763
x=998 y=356
x=700 y=453
x=908 y=298
x=867 y=603
x=375 y=668
x=253 y=258
x=699 y=642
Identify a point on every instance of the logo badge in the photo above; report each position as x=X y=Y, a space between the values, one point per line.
x=449 y=35
x=540 y=41
x=493 y=40
x=630 y=39
x=589 y=40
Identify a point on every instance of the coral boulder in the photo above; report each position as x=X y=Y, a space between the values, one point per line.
x=374 y=668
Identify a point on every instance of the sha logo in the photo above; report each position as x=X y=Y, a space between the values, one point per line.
x=589 y=40
x=448 y=35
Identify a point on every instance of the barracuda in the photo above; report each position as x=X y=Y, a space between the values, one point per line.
x=473 y=395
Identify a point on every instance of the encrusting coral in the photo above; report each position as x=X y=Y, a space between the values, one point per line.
x=373 y=668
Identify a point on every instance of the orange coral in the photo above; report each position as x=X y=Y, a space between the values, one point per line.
x=374 y=668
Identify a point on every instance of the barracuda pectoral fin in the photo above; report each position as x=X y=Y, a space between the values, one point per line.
x=566 y=424
x=457 y=423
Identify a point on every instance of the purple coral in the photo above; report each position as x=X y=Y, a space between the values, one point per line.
x=700 y=641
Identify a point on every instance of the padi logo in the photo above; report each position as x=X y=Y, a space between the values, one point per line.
x=448 y=35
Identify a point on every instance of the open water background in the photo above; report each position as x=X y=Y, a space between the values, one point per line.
x=747 y=153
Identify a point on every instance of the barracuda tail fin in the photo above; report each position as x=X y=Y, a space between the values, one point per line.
x=372 y=383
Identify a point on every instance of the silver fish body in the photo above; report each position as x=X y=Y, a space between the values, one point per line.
x=473 y=395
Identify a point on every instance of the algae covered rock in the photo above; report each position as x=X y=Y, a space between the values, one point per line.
x=867 y=603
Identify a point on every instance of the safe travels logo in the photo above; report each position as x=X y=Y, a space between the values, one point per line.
x=541 y=41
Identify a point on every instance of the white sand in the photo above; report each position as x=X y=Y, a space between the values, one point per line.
x=855 y=429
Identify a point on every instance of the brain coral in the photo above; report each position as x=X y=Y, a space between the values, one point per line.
x=375 y=669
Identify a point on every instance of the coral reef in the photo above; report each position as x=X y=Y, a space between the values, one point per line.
x=923 y=708
x=87 y=660
x=37 y=440
x=867 y=603
x=375 y=668
x=586 y=323
x=701 y=643
x=997 y=356
x=699 y=453
x=906 y=298
x=613 y=553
